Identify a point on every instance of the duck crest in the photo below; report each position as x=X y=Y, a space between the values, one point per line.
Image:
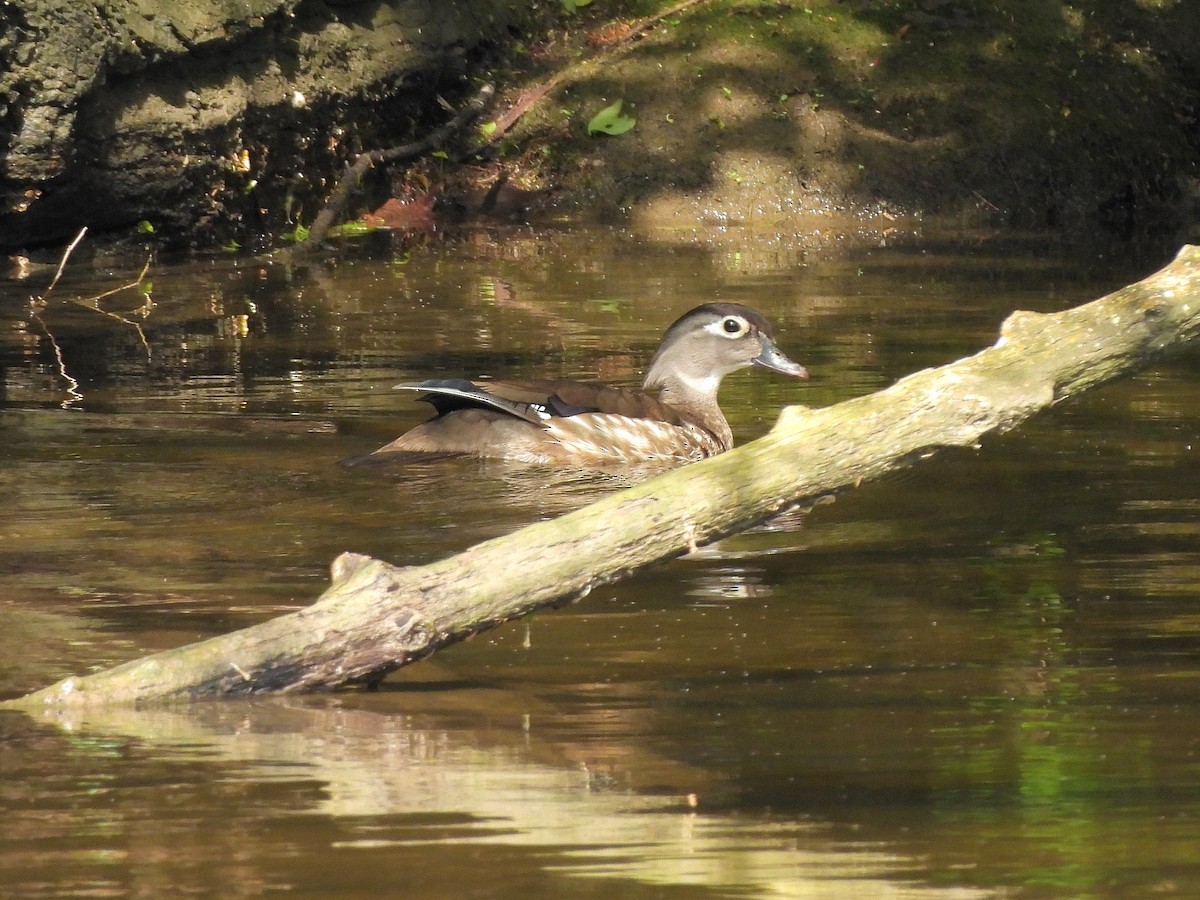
x=675 y=416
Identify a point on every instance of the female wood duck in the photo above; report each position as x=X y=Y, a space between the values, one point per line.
x=674 y=417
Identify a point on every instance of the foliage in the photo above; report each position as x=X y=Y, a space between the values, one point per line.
x=611 y=120
x=356 y=228
x=297 y=234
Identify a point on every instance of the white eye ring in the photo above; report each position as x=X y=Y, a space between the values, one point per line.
x=729 y=327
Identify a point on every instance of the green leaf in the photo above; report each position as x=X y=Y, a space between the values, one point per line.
x=297 y=234
x=610 y=120
x=145 y=227
x=572 y=6
x=488 y=129
x=353 y=229
x=440 y=154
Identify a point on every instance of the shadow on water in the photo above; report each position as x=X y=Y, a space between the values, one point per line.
x=977 y=677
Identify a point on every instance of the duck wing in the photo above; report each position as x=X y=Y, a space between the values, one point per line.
x=537 y=402
x=446 y=395
x=594 y=398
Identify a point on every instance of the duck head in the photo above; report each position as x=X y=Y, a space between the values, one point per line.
x=704 y=345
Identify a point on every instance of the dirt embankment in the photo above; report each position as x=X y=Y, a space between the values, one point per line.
x=793 y=116
x=198 y=116
x=1021 y=113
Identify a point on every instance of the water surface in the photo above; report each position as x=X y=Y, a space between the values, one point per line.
x=978 y=677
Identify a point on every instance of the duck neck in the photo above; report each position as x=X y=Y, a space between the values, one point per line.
x=696 y=398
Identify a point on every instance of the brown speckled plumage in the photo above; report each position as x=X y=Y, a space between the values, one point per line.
x=674 y=417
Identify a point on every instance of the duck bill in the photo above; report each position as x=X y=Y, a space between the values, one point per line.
x=771 y=357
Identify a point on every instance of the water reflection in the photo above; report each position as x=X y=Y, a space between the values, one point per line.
x=978 y=676
x=388 y=790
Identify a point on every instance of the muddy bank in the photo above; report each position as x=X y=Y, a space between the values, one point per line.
x=1013 y=114
x=209 y=120
x=823 y=117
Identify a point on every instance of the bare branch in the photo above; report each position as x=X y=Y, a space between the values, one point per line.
x=136 y=283
x=529 y=97
x=62 y=263
x=341 y=194
x=40 y=302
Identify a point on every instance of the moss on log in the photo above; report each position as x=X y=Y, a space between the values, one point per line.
x=376 y=617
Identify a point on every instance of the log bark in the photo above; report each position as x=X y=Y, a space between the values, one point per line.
x=376 y=617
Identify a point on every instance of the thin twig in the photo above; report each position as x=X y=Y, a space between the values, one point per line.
x=40 y=302
x=117 y=290
x=341 y=194
x=93 y=303
x=529 y=97
x=62 y=263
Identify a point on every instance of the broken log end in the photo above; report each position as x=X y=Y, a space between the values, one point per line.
x=347 y=565
x=1021 y=322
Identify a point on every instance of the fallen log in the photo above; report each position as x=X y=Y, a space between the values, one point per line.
x=376 y=617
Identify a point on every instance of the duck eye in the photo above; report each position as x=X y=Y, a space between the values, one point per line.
x=733 y=326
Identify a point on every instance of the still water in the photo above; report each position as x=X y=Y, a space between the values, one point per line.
x=977 y=678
